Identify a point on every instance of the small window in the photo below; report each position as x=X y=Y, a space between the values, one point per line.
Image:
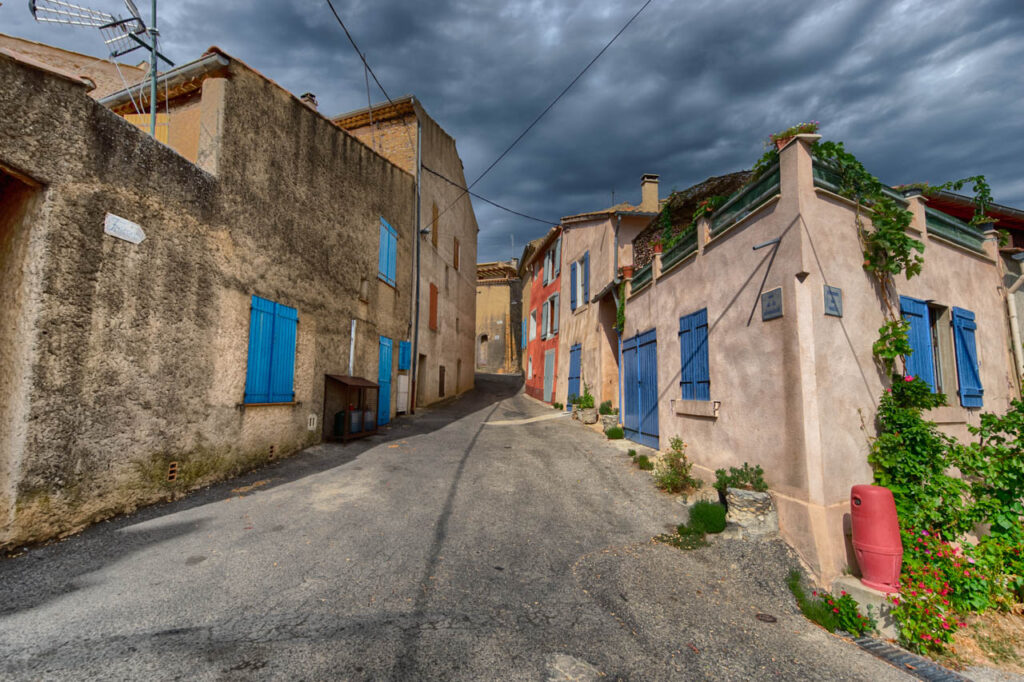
x=546 y=318
x=533 y=325
x=434 y=227
x=433 y=307
x=387 y=258
x=270 y=371
x=579 y=276
x=694 y=374
x=529 y=367
x=455 y=254
x=553 y=302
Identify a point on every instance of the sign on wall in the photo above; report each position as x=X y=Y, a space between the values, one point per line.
x=122 y=228
x=833 y=301
x=771 y=304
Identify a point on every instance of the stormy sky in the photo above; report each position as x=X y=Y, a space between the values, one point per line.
x=920 y=90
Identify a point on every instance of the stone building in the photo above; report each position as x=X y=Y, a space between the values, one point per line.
x=498 y=317
x=541 y=273
x=595 y=247
x=171 y=313
x=751 y=339
x=443 y=342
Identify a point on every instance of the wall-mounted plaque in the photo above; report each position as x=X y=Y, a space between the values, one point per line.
x=122 y=228
x=771 y=304
x=833 y=301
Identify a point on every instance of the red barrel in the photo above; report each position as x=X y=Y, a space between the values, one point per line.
x=876 y=536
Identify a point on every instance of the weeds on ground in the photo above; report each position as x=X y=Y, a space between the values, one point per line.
x=615 y=433
x=828 y=612
x=685 y=537
x=644 y=462
x=557 y=406
x=708 y=517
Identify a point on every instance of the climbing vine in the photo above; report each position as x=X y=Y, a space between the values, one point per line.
x=620 y=314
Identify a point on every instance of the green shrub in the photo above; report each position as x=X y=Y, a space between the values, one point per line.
x=708 y=517
x=585 y=401
x=644 y=462
x=631 y=453
x=557 y=406
x=615 y=433
x=747 y=477
x=606 y=407
x=684 y=538
x=828 y=612
x=674 y=471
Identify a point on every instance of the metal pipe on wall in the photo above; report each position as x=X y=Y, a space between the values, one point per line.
x=352 y=349
x=416 y=296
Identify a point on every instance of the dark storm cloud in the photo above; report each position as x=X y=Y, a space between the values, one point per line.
x=919 y=90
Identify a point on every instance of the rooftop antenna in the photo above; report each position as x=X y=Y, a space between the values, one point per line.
x=121 y=36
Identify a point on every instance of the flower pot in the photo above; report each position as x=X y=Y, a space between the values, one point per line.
x=627 y=272
x=779 y=144
x=588 y=415
x=657 y=248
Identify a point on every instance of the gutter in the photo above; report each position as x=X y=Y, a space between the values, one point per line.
x=173 y=78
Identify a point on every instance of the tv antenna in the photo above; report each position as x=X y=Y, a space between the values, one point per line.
x=121 y=36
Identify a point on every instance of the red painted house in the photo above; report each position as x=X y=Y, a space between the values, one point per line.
x=542 y=271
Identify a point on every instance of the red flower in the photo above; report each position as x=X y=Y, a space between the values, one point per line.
x=835 y=610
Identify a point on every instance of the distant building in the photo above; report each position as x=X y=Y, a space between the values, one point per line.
x=498 y=317
x=102 y=76
x=541 y=273
x=443 y=345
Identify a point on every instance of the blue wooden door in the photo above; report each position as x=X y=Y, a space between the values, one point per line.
x=384 y=380
x=575 y=354
x=647 y=361
x=630 y=396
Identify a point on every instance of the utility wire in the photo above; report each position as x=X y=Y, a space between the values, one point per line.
x=492 y=203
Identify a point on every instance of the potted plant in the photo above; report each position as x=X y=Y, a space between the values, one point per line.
x=657 y=245
x=781 y=139
x=627 y=271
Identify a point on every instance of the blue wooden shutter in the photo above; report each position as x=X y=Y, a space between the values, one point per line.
x=572 y=288
x=967 y=371
x=546 y=325
x=558 y=255
x=522 y=338
x=404 y=355
x=282 y=363
x=554 y=313
x=382 y=252
x=586 y=278
x=920 y=362
x=261 y=339
x=694 y=374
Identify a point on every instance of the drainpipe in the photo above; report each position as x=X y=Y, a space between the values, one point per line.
x=615 y=297
x=416 y=297
x=1011 y=308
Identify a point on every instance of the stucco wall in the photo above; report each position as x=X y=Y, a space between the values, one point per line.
x=140 y=350
x=798 y=393
x=494 y=318
x=538 y=348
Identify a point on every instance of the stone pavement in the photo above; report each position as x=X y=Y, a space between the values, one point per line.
x=441 y=549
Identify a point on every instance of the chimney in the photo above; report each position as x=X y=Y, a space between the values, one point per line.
x=649 y=192
x=309 y=99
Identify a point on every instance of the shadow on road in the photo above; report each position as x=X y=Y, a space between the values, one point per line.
x=39 y=574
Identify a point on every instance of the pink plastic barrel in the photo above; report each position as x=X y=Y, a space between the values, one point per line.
x=876 y=536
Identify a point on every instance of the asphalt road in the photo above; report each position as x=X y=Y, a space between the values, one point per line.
x=443 y=549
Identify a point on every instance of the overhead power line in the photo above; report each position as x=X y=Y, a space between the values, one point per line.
x=492 y=203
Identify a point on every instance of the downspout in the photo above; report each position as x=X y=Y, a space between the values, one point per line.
x=1011 y=309
x=416 y=297
x=615 y=295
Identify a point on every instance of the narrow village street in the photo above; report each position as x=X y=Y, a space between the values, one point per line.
x=445 y=548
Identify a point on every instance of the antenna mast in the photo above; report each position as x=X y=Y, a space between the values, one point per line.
x=121 y=36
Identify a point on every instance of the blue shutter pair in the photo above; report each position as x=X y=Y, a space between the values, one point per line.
x=404 y=355
x=695 y=372
x=387 y=258
x=270 y=371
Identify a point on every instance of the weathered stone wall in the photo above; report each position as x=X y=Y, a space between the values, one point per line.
x=138 y=352
x=499 y=320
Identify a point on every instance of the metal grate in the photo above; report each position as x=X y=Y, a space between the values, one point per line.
x=172 y=472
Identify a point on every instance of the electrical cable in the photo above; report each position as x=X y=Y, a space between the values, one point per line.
x=492 y=203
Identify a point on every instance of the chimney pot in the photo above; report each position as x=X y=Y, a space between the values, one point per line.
x=649 y=192
x=309 y=99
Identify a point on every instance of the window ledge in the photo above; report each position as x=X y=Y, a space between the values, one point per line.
x=950 y=414
x=293 y=403
x=580 y=308
x=697 y=408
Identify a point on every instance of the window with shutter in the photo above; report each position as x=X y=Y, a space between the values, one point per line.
x=967 y=369
x=554 y=313
x=270 y=369
x=433 y=307
x=585 y=298
x=533 y=325
x=404 y=355
x=558 y=256
x=573 y=276
x=546 y=316
x=695 y=372
x=387 y=258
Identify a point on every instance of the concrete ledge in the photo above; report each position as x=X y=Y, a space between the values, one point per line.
x=881 y=609
x=697 y=408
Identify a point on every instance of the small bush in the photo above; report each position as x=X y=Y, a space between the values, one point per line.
x=747 y=477
x=708 y=517
x=674 y=470
x=631 y=453
x=615 y=433
x=557 y=406
x=606 y=407
x=644 y=462
x=585 y=401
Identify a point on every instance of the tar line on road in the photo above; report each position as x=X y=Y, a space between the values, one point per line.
x=404 y=661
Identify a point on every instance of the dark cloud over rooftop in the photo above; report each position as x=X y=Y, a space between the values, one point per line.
x=925 y=90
